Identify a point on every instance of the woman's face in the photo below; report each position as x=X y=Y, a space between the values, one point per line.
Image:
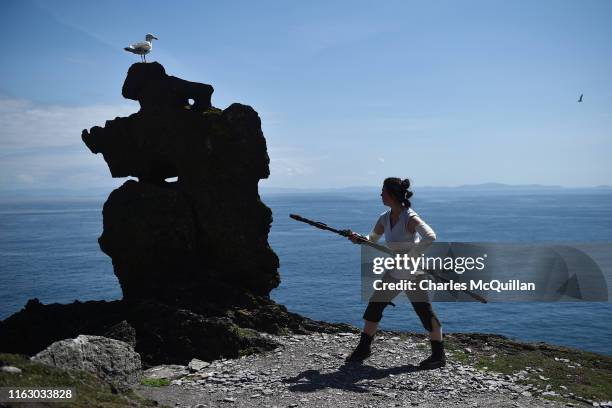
x=387 y=199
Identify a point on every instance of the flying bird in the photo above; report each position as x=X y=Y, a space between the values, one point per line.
x=580 y=99
x=142 y=48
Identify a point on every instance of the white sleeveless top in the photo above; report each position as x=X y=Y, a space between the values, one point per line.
x=399 y=238
x=399 y=232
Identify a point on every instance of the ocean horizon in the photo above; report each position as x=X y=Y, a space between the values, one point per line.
x=49 y=250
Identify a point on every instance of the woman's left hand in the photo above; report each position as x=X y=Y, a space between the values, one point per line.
x=354 y=237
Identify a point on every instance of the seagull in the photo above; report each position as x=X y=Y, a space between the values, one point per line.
x=580 y=99
x=142 y=48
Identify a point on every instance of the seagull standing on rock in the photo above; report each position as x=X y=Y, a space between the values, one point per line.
x=142 y=48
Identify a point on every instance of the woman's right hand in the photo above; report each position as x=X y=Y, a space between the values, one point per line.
x=354 y=237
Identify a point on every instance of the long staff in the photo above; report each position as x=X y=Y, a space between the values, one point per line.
x=365 y=241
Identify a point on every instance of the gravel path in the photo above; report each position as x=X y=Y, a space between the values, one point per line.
x=309 y=371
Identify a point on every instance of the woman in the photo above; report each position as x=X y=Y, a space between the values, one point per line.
x=399 y=225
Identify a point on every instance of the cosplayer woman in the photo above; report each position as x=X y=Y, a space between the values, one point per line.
x=400 y=225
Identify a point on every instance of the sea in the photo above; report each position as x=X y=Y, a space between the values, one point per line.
x=49 y=250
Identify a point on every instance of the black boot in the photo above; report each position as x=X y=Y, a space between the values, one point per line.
x=362 y=351
x=437 y=358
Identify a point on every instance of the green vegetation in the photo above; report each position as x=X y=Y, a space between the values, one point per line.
x=422 y=346
x=90 y=391
x=244 y=332
x=155 y=382
x=284 y=331
x=212 y=109
x=458 y=356
x=564 y=370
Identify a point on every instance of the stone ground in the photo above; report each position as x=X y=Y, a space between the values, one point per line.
x=309 y=371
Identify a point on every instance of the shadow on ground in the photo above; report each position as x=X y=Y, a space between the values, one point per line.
x=346 y=377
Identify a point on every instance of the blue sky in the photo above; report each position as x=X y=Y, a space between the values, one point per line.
x=444 y=92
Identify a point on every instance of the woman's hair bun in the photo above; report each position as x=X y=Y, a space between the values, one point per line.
x=399 y=189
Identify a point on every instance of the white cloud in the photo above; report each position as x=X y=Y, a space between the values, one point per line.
x=293 y=166
x=25 y=125
x=67 y=167
x=41 y=147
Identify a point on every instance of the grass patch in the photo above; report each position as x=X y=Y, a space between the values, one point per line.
x=284 y=331
x=245 y=333
x=586 y=375
x=459 y=357
x=155 y=382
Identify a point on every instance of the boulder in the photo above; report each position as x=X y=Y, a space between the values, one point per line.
x=197 y=365
x=166 y=372
x=111 y=360
x=10 y=369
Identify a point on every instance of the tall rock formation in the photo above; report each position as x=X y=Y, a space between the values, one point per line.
x=181 y=241
x=188 y=237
